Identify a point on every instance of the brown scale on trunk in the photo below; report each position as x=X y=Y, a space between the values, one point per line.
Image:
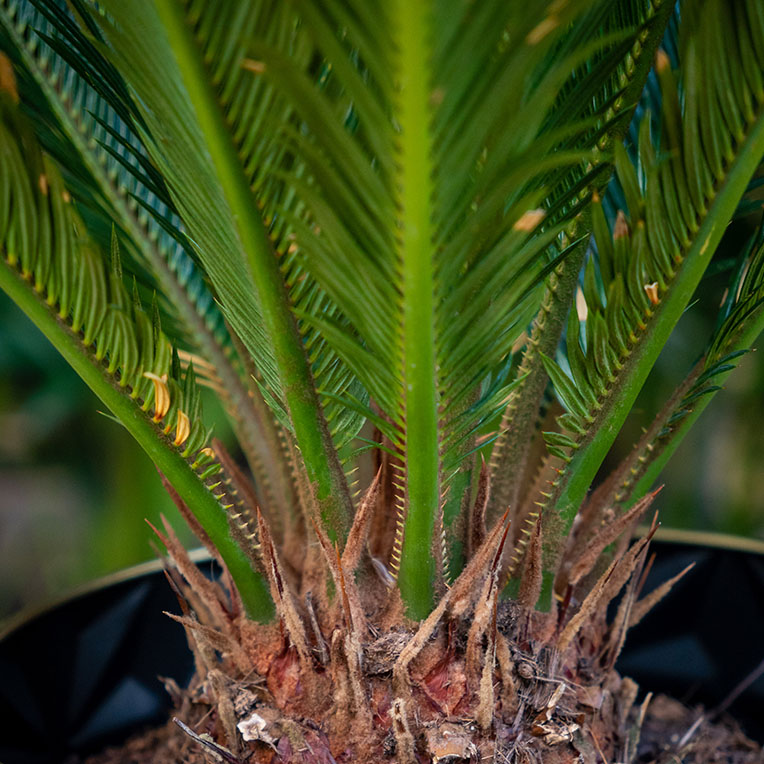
x=344 y=676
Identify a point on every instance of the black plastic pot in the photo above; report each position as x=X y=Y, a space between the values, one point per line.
x=707 y=636
x=83 y=673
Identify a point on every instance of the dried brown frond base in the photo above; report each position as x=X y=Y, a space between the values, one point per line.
x=548 y=708
x=343 y=676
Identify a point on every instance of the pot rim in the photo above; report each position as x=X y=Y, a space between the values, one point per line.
x=16 y=620
x=669 y=535
x=712 y=539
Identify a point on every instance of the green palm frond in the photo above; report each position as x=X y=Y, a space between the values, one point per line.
x=80 y=302
x=680 y=199
x=185 y=165
x=159 y=52
x=615 y=95
x=422 y=361
x=359 y=212
x=90 y=128
x=740 y=322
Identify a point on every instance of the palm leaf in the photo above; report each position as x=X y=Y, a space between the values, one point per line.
x=741 y=321
x=55 y=273
x=190 y=142
x=119 y=183
x=413 y=340
x=615 y=94
x=653 y=260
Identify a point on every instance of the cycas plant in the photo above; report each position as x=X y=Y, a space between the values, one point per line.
x=385 y=235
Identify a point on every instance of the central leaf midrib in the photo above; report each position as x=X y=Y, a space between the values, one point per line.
x=417 y=273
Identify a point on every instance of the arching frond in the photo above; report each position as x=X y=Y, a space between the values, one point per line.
x=159 y=49
x=741 y=321
x=51 y=268
x=625 y=74
x=87 y=121
x=680 y=199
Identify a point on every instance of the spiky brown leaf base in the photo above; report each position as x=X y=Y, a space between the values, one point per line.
x=344 y=676
x=348 y=678
x=542 y=705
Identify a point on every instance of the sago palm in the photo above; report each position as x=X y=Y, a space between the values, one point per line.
x=385 y=234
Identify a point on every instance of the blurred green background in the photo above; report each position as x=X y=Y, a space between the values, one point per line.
x=74 y=486
x=75 y=489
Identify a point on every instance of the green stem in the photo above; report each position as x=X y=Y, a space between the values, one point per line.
x=192 y=490
x=275 y=476
x=620 y=483
x=313 y=437
x=250 y=421
x=586 y=460
x=418 y=331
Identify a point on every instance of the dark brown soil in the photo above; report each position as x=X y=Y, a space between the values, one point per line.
x=164 y=745
x=665 y=727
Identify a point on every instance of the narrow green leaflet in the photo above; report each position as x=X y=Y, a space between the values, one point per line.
x=685 y=192
x=51 y=269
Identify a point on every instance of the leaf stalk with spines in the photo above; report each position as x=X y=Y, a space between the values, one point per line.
x=680 y=248
x=509 y=455
x=417 y=338
x=322 y=465
x=102 y=346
